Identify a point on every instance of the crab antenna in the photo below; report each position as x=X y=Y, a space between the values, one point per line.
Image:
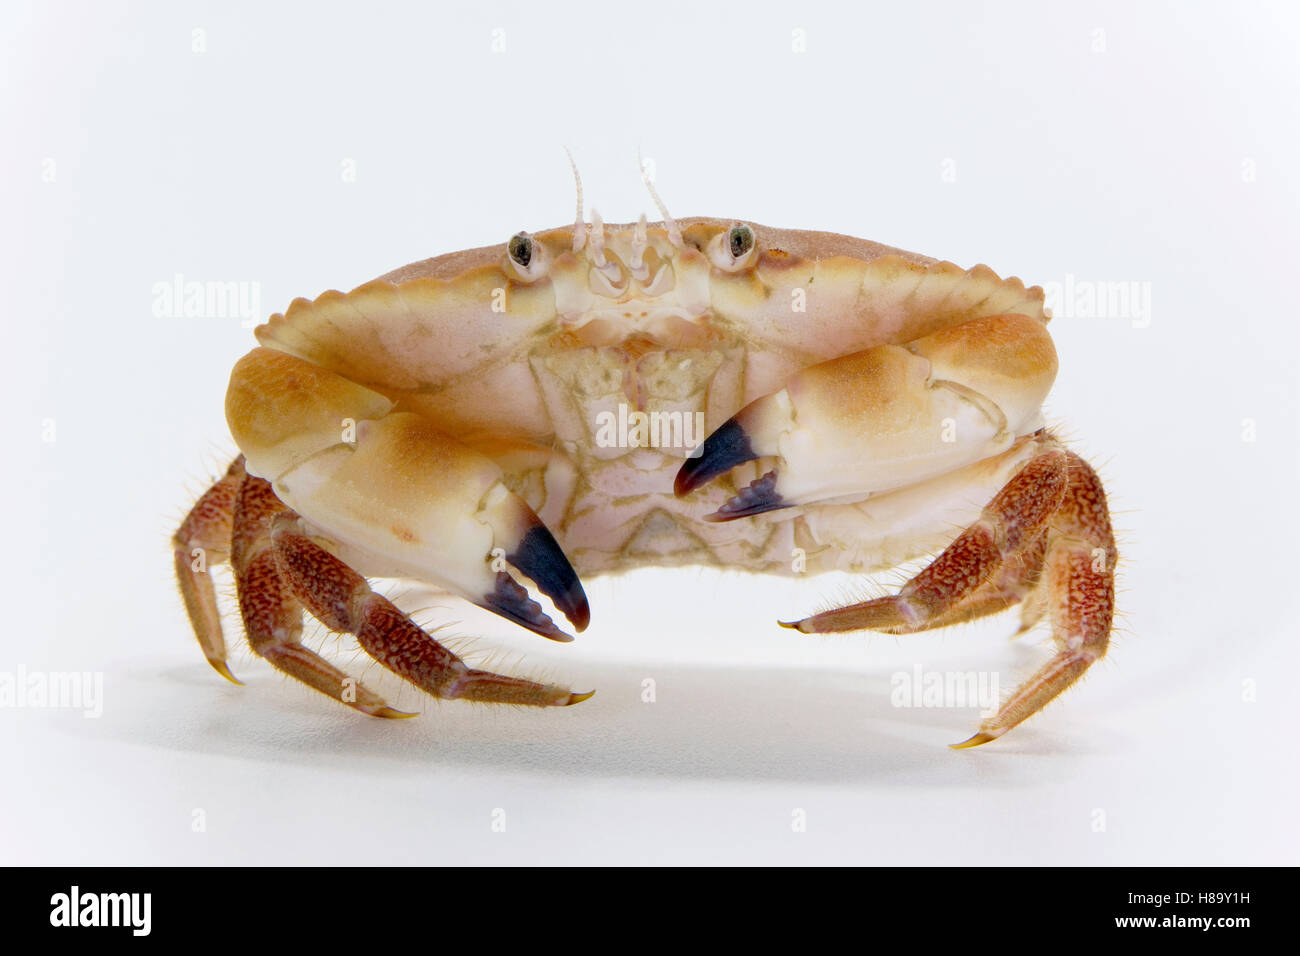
x=579 y=230
x=638 y=244
x=597 y=240
x=674 y=233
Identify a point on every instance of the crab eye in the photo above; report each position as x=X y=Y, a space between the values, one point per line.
x=521 y=250
x=734 y=250
x=741 y=240
x=526 y=258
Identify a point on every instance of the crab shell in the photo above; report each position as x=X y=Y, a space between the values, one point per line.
x=861 y=405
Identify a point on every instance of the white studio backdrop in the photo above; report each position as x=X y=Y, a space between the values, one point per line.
x=292 y=148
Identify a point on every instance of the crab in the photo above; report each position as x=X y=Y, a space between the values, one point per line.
x=596 y=398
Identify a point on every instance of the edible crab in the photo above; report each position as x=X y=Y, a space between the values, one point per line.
x=596 y=398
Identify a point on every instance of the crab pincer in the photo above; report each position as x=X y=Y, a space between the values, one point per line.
x=536 y=554
x=883 y=418
x=401 y=495
x=389 y=494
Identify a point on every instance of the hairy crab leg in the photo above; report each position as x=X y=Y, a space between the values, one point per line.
x=342 y=600
x=1013 y=582
x=1046 y=537
x=1014 y=517
x=203 y=540
x=273 y=615
x=872 y=421
x=1078 y=582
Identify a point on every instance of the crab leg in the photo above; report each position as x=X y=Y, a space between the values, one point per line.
x=1015 y=517
x=273 y=615
x=343 y=601
x=1079 y=584
x=1011 y=584
x=1046 y=536
x=206 y=530
x=871 y=421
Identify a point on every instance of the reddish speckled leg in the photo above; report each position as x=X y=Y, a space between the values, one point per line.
x=1045 y=539
x=1011 y=521
x=278 y=570
x=1078 y=584
x=1015 y=580
x=272 y=614
x=343 y=601
x=203 y=540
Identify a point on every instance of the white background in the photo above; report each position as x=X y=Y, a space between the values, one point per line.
x=1148 y=142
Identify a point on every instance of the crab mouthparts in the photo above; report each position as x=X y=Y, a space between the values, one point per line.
x=642 y=330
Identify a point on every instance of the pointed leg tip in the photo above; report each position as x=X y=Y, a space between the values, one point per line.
x=881 y=614
x=793 y=625
x=390 y=713
x=578 y=698
x=977 y=740
x=224 y=670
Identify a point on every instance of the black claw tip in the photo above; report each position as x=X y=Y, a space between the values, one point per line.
x=512 y=602
x=540 y=557
x=723 y=450
x=758 y=497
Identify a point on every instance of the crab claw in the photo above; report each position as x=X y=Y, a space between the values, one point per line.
x=726 y=448
x=402 y=499
x=754 y=432
x=416 y=503
x=430 y=508
x=533 y=551
x=884 y=418
x=511 y=601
